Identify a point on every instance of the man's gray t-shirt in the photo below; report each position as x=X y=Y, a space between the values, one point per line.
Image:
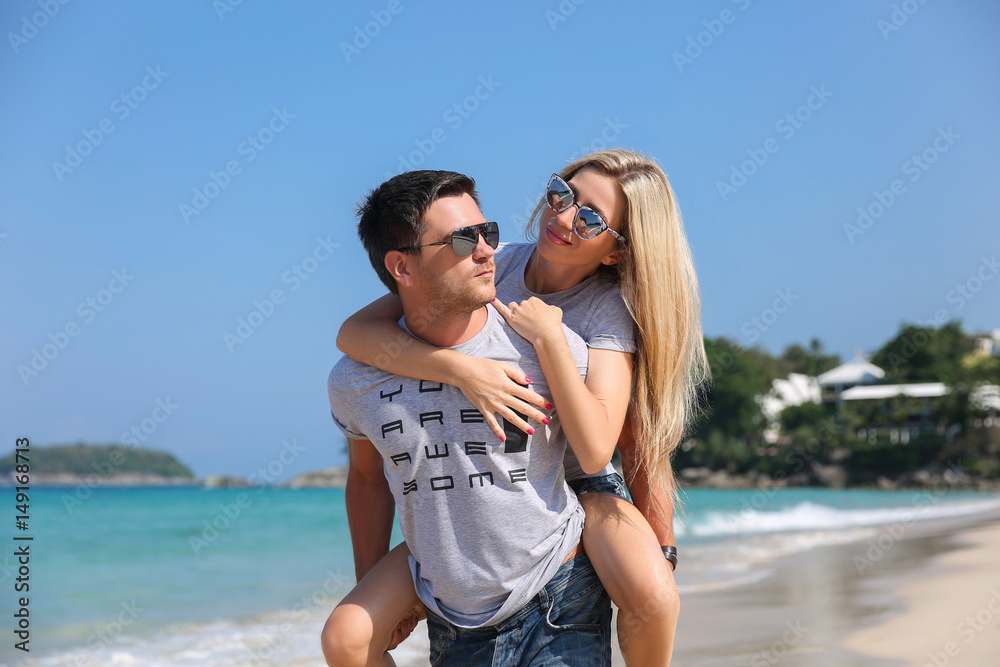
x=594 y=309
x=488 y=523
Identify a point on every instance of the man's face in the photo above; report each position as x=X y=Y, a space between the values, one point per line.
x=453 y=284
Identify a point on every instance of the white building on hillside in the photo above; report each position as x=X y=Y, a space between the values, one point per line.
x=855 y=372
x=796 y=390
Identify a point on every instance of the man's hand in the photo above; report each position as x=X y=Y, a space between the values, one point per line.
x=406 y=626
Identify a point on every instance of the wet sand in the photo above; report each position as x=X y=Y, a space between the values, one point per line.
x=952 y=613
x=887 y=601
x=904 y=597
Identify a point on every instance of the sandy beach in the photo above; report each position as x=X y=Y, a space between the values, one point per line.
x=924 y=594
x=952 y=614
x=889 y=600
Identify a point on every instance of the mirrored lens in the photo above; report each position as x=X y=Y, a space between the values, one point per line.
x=492 y=235
x=465 y=240
x=559 y=197
x=463 y=245
x=588 y=223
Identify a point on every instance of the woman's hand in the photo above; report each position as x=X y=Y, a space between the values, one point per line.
x=533 y=319
x=406 y=626
x=496 y=388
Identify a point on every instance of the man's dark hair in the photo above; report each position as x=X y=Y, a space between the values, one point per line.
x=391 y=216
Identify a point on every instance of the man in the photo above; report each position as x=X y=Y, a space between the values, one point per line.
x=491 y=527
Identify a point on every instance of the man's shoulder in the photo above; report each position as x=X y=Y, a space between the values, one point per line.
x=349 y=375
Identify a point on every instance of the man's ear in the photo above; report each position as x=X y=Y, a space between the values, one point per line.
x=399 y=265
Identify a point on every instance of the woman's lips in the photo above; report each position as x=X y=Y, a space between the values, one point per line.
x=555 y=238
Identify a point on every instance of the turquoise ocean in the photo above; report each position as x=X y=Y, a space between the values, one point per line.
x=190 y=576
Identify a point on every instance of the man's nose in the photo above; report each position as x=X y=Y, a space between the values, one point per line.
x=483 y=249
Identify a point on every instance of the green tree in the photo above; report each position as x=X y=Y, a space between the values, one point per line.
x=106 y=460
x=738 y=377
x=924 y=354
x=812 y=361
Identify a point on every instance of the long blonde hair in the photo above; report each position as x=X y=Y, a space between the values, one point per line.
x=659 y=285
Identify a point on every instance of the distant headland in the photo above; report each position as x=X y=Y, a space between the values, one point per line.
x=118 y=465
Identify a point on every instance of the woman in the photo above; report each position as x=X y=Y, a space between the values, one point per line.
x=609 y=236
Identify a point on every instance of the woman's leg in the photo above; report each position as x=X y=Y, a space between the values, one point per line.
x=359 y=630
x=627 y=557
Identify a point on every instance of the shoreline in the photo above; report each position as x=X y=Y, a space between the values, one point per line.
x=859 y=603
x=951 y=615
x=853 y=604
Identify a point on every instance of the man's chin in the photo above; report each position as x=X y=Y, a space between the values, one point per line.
x=488 y=298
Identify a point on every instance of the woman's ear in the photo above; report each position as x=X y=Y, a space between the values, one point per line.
x=397 y=263
x=611 y=258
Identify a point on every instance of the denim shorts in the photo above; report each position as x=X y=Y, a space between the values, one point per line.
x=567 y=624
x=613 y=484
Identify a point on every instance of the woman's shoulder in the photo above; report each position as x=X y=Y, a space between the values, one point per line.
x=509 y=256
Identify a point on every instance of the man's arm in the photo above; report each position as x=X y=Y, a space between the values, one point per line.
x=370 y=506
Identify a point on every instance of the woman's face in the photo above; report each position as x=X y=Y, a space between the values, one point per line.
x=557 y=242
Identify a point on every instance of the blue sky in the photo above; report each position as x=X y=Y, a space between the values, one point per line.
x=171 y=168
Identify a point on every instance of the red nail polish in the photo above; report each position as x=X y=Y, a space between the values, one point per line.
x=503 y=438
x=548 y=406
x=531 y=431
x=545 y=420
x=527 y=379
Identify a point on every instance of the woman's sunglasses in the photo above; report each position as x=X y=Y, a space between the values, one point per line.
x=465 y=239
x=587 y=223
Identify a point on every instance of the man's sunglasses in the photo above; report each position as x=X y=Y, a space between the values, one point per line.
x=587 y=223
x=465 y=239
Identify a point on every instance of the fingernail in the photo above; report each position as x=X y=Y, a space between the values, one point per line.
x=503 y=438
x=548 y=406
x=531 y=431
x=527 y=379
x=545 y=420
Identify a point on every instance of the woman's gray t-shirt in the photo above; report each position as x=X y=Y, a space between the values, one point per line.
x=594 y=309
